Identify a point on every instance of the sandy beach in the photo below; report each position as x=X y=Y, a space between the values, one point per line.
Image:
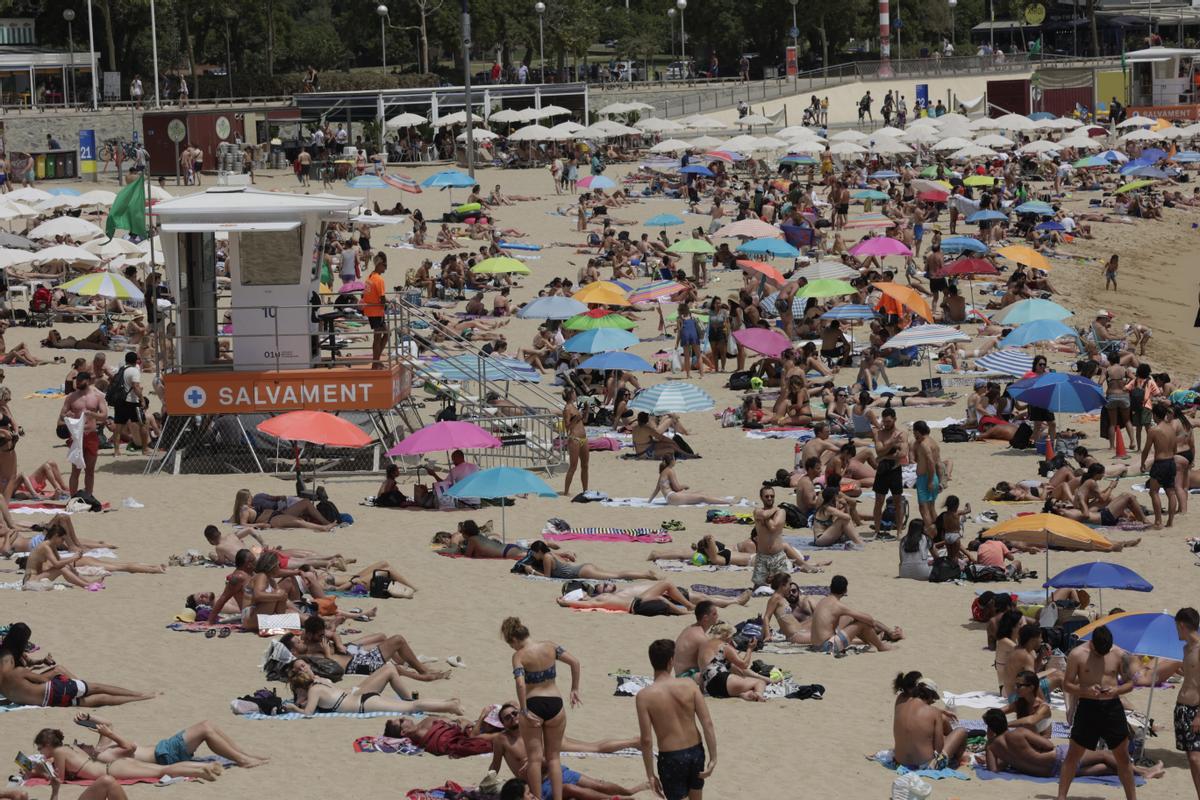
x=779 y=749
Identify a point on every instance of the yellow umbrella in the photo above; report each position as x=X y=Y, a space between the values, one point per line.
x=499 y=265
x=907 y=297
x=1049 y=530
x=1025 y=255
x=603 y=293
x=1141 y=183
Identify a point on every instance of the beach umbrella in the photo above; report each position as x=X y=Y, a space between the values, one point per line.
x=993 y=140
x=531 y=133
x=869 y=194
x=78 y=229
x=1059 y=392
x=12 y=258
x=828 y=269
x=750 y=228
x=1132 y=186
x=755 y=119
x=770 y=247
x=366 y=182
x=315 y=427
x=926 y=336
x=481 y=368
x=66 y=253
x=597 y=182
x=968 y=266
x=907 y=297
x=1141 y=633
x=880 y=246
x=849 y=136
x=1025 y=255
x=448 y=435
x=798 y=160
x=478 y=134
x=826 y=287
x=884 y=174
x=1151 y=172
x=1050 y=225
x=448 y=179
x=15 y=242
x=104 y=284
x=405 y=120
x=1100 y=575
x=697 y=169
x=402 y=182
x=664 y=221
x=850 y=311
x=654 y=291
x=931 y=196
x=1032 y=310
x=597 y=318
x=869 y=221
x=1092 y=162
x=500 y=265
x=1047 y=531
x=552 y=308
x=28 y=194
x=847 y=149
x=672 y=397
x=952 y=143
x=963 y=244
x=764 y=269
x=1042 y=330
x=603 y=293
x=1007 y=361
x=670 y=146
x=728 y=156
x=987 y=215
x=979 y=180
x=1035 y=207
x=691 y=246
x=600 y=340
x=769 y=343
x=618 y=360
x=498 y=483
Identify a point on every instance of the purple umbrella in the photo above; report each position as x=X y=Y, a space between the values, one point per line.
x=445 y=436
x=761 y=340
x=880 y=246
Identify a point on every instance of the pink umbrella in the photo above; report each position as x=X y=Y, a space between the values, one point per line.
x=751 y=228
x=880 y=246
x=761 y=340
x=352 y=286
x=445 y=436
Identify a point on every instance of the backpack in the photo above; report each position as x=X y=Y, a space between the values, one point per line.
x=381 y=582
x=943 y=570
x=116 y=389
x=747 y=630
x=740 y=381
x=266 y=700
x=954 y=434
x=40 y=300
x=793 y=516
x=1023 y=438
x=328 y=510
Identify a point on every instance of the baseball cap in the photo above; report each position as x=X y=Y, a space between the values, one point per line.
x=1103 y=313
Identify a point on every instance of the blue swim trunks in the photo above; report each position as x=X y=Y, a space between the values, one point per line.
x=928 y=487
x=171 y=751
x=569 y=778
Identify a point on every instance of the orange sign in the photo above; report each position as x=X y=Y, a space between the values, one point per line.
x=1189 y=111
x=346 y=389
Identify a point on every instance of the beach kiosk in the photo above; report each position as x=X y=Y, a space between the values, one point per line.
x=257 y=340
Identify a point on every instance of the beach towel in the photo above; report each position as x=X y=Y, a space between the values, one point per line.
x=204 y=627
x=1141 y=487
x=646 y=535
x=1103 y=780
x=36 y=782
x=405 y=747
x=809 y=543
x=46 y=394
x=1059 y=730
x=937 y=424
x=640 y=502
x=294 y=716
x=722 y=591
x=795 y=434
x=6 y=706
x=885 y=759
x=630 y=685
x=992 y=700
x=45 y=507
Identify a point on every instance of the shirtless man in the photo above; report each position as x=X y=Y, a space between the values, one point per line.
x=88 y=403
x=1162 y=473
x=836 y=626
x=25 y=687
x=372 y=652
x=687 y=645
x=1026 y=658
x=769 y=557
x=820 y=445
x=667 y=711
x=645 y=598
x=227 y=545
x=889 y=448
x=508 y=746
x=649 y=442
x=473 y=543
x=45 y=564
x=1029 y=753
x=929 y=472
x=807 y=493
x=1187 y=702
x=1094 y=678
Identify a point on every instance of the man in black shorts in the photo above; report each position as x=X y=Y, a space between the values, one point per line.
x=668 y=710
x=1187 y=702
x=890 y=446
x=129 y=408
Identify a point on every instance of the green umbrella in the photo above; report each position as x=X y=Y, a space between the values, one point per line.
x=930 y=171
x=499 y=265
x=1133 y=186
x=826 y=287
x=691 y=246
x=588 y=322
x=699 y=316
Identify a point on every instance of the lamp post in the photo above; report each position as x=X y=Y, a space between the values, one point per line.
x=681 y=5
x=92 y=56
x=228 y=53
x=69 y=16
x=466 y=45
x=540 y=8
x=382 y=11
x=795 y=49
x=671 y=19
x=154 y=51
x=953 y=30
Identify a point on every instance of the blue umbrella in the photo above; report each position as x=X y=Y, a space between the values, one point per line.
x=1051 y=225
x=1035 y=207
x=1150 y=172
x=1154 y=154
x=664 y=221
x=1059 y=392
x=986 y=216
x=367 y=182
x=618 y=360
x=64 y=190
x=1007 y=361
x=552 y=308
x=1033 y=309
x=769 y=246
x=1135 y=164
x=1142 y=634
x=448 y=179
x=600 y=340
x=963 y=244
x=798 y=160
x=1042 y=330
x=884 y=174
x=850 y=311
x=869 y=194
x=672 y=397
x=697 y=169
x=1115 y=155
x=501 y=482
x=1187 y=157
x=1099 y=575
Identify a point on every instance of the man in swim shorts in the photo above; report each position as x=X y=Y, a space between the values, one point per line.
x=668 y=710
x=770 y=557
x=1024 y=751
x=1162 y=472
x=889 y=478
x=62 y=692
x=1187 y=702
x=929 y=473
x=836 y=626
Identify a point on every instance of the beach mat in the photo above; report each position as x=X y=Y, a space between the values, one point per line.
x=1101 y=780
x=640 y=502
x=884 y=759
x=645 y=535
x=807 y=543
x=724 y=591
x=630 y=685
x=1059 y=730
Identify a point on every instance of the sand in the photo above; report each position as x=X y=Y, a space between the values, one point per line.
x=769 y=750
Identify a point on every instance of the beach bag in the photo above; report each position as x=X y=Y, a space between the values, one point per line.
x=746 y=630
x=888 y=520
x=793 y=516
x=328 y=510
x=266 y=700
x=979 y=573
x=740 y=381
x=943 y=570
x=955 y=434
x=325 y=668
x=1023 y=438
x=381 y=582
x=116 y=389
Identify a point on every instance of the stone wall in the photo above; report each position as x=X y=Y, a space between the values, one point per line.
x=27 y=131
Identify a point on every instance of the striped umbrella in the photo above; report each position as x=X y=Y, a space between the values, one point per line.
x=850 y=311
x=828 y=269
x=653 y=291
x=104 y=284
x=402 y=182
x=767 y=304
x=926 y=335
x=672 y=397
x=1007 y=361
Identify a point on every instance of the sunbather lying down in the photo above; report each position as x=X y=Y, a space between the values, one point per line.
x=716 y=553
x=643 y=598
x=472 y=540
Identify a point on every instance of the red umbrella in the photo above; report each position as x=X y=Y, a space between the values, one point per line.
x=765 y=269
x=315 y=427
x=930 y=196
x=968 y=266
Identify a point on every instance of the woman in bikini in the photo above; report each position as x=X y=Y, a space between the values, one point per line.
x=676 y=493
x=543 y=719
x=577 y=441
x=1030 y=708
x=726 y=672
x=315 y=695
x=264 y=511
x=716 y=553
x=77 y=762
x=793 y=407
x=543 y=562
x=831 y=524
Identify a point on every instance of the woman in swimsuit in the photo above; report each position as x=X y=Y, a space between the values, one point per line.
x=726 y=672
x=676 y=493
x=1031 y=709
x=1006 y=642
x=577 y=441
x=545 y=563
x=1108 y=516
x=75 y=762
x=261 y=511
x=543 y=719
x=793 y=407
x=715 y=552
x=790 y=609
x=831 y=524
x=316 y=695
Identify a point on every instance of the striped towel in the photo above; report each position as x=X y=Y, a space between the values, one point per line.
x=648 y=535
x=401 y=182
x=722 y=591
x=338 y=714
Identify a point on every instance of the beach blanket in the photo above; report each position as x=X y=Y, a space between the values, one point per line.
x=36 y=782
x=938 y=424
x=46 y=394
x=796 y=434
x=885 y=759
x=1141 y=487
x=993 y=700
x=99 y=552
x=204 y=627
x=646 y=535
x=1059 y=730
x=1103 y=780
x=45 y=507
x=809 y=543
x=405 y=747
x=339 y=714
x=630 y=685
x=640 y=502
x=722 y=591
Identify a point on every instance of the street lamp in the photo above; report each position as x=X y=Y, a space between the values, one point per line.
x=671 y=18
x=69 y=16
x=953 y=30
x=795 y=48
x=382 y=11
x=540 y=8
x=92 y=57
x=681 y=5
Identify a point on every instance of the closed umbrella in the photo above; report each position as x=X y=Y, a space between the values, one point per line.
x=768 y=342
x=498 y=483
x=1042 y=330
x=448 y=435
x=618 y=360
x=1033 y=309
x=770 y=247
x=552 y=308
x=1099 y=575
x=601 y=340
x=597 y=318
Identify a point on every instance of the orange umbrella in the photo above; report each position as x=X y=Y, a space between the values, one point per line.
x=1025 y=255
x=604 y=293
x=762 y=268
x=315 y=427
x=1049 y=530
x=907 y=297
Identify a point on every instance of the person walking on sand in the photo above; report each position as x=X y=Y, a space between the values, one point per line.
x=1161 y=438
x=929 y=472
x=577 y=441
x=1110 y=272
x=1187 y=702
x=668 y=710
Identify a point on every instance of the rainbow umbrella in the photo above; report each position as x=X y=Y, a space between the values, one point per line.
x=598 y=318
x=654 y=291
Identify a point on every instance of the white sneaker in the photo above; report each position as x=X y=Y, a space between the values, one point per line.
x=129 y=502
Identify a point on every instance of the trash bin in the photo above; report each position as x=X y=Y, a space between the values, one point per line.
x=50 y=165
x=39 y=166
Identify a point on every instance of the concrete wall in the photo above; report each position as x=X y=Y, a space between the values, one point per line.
x=843 y=100
x=25 y=132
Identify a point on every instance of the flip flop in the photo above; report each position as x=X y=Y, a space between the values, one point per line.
x=224 y=634
x=210 y=633
x=427 y=659
x=455 y=661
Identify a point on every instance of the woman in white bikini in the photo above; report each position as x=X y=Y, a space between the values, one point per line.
x=315 y=695
x=676 y=493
